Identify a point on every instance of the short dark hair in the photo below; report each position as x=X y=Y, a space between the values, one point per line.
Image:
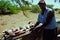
x=44 y=4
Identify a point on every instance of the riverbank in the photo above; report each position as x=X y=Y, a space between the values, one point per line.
x=15 y=20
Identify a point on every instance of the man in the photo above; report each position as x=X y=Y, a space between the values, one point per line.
x=47 y=18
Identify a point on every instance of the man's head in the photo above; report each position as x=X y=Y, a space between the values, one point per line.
x=42 y=5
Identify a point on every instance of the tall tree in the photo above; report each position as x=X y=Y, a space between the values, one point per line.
x=21 y=3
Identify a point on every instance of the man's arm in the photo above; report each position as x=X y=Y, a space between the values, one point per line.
x=37 y=23
x=49 y=19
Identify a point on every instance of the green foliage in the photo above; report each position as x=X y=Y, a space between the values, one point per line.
x=13 y=9
x=49 y=6
x=56 y=9
x=6 y=5
x=59 y=12
x=24 y=5
x=35 y=9
x=24 y=8
x=3 y=6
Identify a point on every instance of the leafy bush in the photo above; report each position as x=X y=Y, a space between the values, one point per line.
x=35 y=9
x=6 y=5
x=59 y=11
x=25 y=8
x=13 y=9
x=49 y=6
x=56 y=9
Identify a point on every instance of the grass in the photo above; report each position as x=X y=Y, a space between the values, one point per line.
x=35 y=9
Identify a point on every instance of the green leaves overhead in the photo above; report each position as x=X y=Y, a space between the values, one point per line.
x=22 y=3
x=7 y=6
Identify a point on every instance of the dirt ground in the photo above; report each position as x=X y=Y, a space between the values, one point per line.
x=16 y=20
